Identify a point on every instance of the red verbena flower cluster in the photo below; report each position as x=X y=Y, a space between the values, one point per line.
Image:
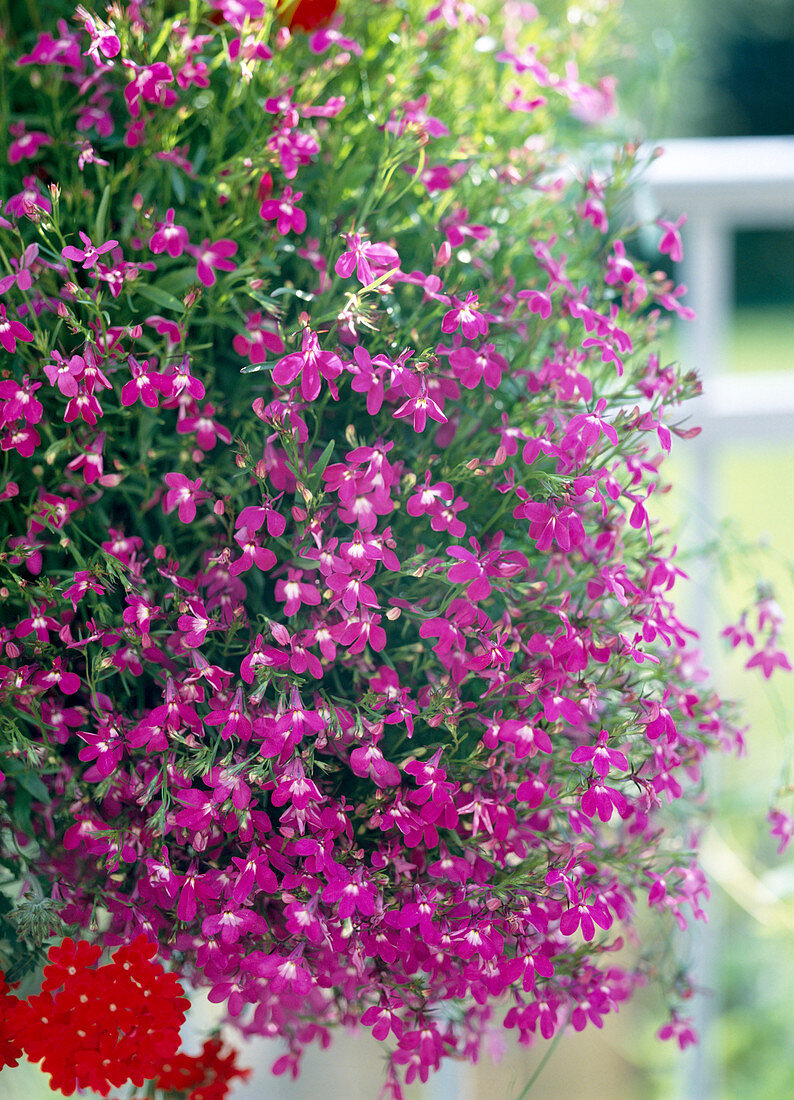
x=103 y=1027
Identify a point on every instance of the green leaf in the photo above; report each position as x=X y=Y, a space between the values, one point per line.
x=101 y=215
x=318 y=469
x=159 y=297
x=178 y=184
x=253 y=368
x=161 y=39
x=32 y=783
x=21 y=811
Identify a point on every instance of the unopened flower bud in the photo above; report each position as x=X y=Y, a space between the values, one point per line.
x=444 y=254
x=32 y=210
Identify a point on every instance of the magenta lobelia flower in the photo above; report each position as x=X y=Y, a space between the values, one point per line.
x=368 y=260
x=285 y=212
x=12 y=330
x=184 y=495
x=212 y=257
x=310 y=363
x=89 y=254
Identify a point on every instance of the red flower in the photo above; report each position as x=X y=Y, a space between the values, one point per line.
x=67 y=959
x=308 y=15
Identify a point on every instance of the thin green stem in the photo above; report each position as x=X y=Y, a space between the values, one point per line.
x=541 y=1066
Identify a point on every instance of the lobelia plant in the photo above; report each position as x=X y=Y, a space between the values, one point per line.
x=341 y=663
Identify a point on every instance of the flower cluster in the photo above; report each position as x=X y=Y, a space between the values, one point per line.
x=101 y=1027
x=339 y=655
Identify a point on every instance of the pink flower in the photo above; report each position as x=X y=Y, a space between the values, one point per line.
x=253 y=554
x=356 y=633
x=768 y=659
x=85 y=405
x=38 y=623
x=30 y=201
x=254 y=516
x=471 y=366
x=429 y=498
x=368 y=760
x=782 y=826
x=310 y=362
x=289 y=217
x=83 y=583
x=584 y=915
x=261 y=337
x=681 y=1029
x=603 y=758
x=295 y=591
x=90 y=460
x=64 y=373
x=89 y=254
x=12 y=330
x=183 y=381
x=212 y=257
x=19 y=401
x=184 y=494
x=420 y=405
x=475 y=567
x=143 y=385
x=465 y=316
x=195 y=623
x=103 y=39
x=281 y=972
x=150 y=85
x=671 y=244
x=232 y=718
x=549 y=524
x=413 y=112
x=168 y=237
x=368 y=260
x=26 y=144
x=538 y=301
x=351 y=894
x=22 y=270
x=602 y=800
x=208 y=431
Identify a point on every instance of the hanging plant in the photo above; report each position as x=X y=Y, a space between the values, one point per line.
x=341 y=662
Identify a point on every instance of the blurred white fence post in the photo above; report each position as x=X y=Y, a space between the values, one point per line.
x=722 y=184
